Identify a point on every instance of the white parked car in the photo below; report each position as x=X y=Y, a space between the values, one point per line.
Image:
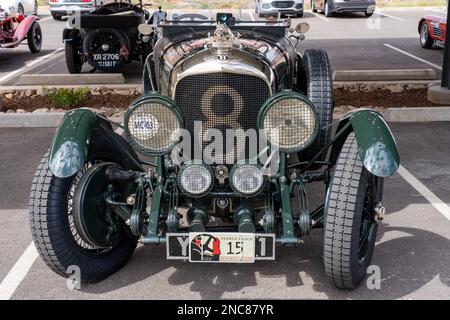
x=25 y=7
x=271 y=7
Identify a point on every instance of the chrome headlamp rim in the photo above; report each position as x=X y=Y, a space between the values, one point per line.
x=279 y=97
x=158 y=99
x=191 y=164
x=246 y=194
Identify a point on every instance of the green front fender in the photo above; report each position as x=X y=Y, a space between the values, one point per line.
x=377 y=147
x=69 y=147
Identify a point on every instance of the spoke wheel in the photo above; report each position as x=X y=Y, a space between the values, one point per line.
x=108 y=48
x=60 y=241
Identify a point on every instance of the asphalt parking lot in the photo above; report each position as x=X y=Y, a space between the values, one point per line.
x=387 y=40
x=412 y=251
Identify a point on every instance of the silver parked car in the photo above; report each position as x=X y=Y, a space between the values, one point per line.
x=328 y=7
x=269 y=7
x=24 y=7
x=60 y=8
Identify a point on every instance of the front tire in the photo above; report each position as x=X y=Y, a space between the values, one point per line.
x=34 y=38
x=425 y=38
x=54 y=230
x=326 y=10
x=20 y=9
x=350 y=227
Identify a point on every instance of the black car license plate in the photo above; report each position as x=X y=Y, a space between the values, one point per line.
x=106 y=60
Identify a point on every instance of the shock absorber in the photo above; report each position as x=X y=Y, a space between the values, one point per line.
x=197 y=218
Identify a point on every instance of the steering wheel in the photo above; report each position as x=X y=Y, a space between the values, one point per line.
x=116 y=7
x=190 y=16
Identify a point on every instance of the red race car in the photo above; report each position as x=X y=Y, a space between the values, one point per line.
x=14 y=31
x=432 y=31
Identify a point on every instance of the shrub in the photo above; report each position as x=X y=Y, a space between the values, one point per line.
x=72 y=98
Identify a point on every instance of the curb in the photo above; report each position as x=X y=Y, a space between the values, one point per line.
x=30 y=120
x=70 y=79
x=384 y=75
x=426 y=114
x=137 y=86
x=36 y=120
x=52 y=119
x=438 y=94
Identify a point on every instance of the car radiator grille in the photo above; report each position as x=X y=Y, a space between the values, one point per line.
x=437 y=31
x=221 y=101
x=282 y=4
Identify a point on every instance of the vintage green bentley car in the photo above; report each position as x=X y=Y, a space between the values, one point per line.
x=215 y=159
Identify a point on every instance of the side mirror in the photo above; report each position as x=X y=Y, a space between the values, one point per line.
x=302 y=27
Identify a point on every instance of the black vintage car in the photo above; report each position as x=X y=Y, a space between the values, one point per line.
x=108 y=37
x=217 y=157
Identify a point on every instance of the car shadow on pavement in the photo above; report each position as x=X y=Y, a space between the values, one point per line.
x=352 y=15
x=408 y=261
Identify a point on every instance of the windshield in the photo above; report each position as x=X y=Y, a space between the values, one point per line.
x=241 y=10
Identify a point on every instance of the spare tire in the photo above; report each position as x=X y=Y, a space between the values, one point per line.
x=107 y=48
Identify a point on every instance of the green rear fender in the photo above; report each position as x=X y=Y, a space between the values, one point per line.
x=70 y=143
x=377 y=147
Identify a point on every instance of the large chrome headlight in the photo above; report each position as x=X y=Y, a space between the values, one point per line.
x=151 y=123
x=246 y=179
x=195 y=179
x=289 y=121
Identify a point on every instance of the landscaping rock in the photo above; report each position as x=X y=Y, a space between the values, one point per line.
x=29 y=93
x=125 y=92
x=396 y=88
x=40 y=110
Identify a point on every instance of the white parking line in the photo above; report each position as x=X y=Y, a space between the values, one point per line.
x=18 y=272
x=31 y=64
x=252 y=16
x=388 y=15
x=51 y=66
x=437 y=203
x=320 y=16
x=413 y=56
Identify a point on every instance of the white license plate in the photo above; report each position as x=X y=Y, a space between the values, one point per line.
x=222 y=247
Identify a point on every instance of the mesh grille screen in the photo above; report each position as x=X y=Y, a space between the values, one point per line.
x=221 y=101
